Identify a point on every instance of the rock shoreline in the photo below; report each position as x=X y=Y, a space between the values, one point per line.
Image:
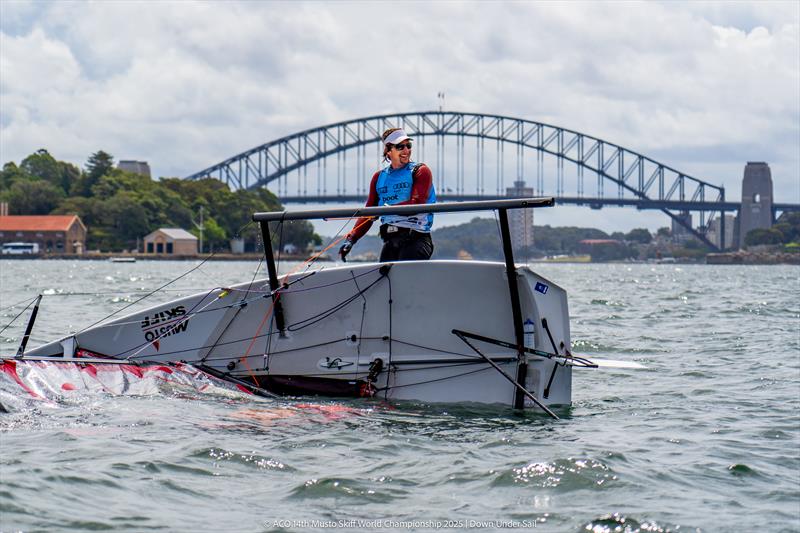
x=753 y=258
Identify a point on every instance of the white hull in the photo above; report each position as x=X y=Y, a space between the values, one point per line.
x=340 y=320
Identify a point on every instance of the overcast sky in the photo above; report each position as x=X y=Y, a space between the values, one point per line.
x=702 y=86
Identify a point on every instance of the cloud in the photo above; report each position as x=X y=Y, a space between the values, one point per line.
x=703 y=85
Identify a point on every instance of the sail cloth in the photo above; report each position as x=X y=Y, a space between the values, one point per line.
x=47 y=380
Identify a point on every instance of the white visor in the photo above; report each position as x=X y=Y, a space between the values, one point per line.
x=396 y=137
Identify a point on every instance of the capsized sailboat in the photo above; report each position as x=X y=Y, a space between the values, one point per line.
x=432 y=331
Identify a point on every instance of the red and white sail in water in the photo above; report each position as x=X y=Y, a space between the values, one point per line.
x=53 y=380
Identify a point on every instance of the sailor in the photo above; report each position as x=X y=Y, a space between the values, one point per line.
x=402 y=182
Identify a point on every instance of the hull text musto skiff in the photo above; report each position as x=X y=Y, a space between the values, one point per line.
x=432 y=331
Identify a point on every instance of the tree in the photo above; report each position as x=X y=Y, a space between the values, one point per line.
x=664 y=232
x=763 y=236
x=610 y=251
x=214 y=236
x=33 y=197
x=12 y=174
x=548 y=240
x=126 y=218
x=116 y=180
x=69 y=175
x=41 y=165
x=789 y=225
x=300 y=233
x=86 y=208
x=788 y=233
x=640 y=235
x=98 y=165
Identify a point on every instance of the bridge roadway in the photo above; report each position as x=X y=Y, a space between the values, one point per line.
x=594 y=203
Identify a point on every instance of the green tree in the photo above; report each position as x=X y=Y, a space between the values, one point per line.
x=120 y=220
x=98 y=165
x=41 y=165
x=214 y=236
x=640 y=235
x=116 y=180
x=33 y=197
x=788 y=233
x=87 y=209
x=297 y=232
x=611 y=251
x=763 y=236
x=129 y=218
x=789 y=225
x=70 y=174
x=12 y=174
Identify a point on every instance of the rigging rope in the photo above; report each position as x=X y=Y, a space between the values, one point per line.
x=336 y=239
x=20 y=313
x=258 y=331
x=208 y=257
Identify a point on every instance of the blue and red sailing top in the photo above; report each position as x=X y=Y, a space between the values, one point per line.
x=410 y=184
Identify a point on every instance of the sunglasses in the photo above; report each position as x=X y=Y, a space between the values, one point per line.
x=402 y=146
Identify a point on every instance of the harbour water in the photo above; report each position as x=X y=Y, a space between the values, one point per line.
x=706 y=438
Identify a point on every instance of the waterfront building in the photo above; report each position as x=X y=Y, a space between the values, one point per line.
x=54 y=234
x=170 y=241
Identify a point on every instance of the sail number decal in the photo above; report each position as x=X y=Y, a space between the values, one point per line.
x=165 y=323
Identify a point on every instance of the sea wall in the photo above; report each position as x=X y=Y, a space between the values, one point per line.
x=753 y=258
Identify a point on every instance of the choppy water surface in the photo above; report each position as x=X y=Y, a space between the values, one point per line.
x=706 y=438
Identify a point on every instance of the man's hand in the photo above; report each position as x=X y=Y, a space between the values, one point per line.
x=345 y=249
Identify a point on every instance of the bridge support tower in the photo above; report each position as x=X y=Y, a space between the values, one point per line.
x=756 y=209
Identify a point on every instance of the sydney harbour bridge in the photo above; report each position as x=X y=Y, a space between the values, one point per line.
x=477 y=156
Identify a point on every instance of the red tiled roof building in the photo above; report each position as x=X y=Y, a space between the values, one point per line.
x=58 y=234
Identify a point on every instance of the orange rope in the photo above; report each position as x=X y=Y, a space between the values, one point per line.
x=331 y=245
x=253 y=340
x=278 y=295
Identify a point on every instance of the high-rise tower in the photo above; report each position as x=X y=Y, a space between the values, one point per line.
x=520 y=221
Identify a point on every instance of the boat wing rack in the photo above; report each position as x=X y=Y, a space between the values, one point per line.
x=415 y=209
x=502 y=207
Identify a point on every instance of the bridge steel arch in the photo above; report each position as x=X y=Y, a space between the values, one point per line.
x=648 y=181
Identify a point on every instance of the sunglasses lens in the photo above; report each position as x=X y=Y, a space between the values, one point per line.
x=400 y=147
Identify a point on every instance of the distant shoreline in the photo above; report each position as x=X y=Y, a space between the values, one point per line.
x=729 y=258
x=154 y=257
